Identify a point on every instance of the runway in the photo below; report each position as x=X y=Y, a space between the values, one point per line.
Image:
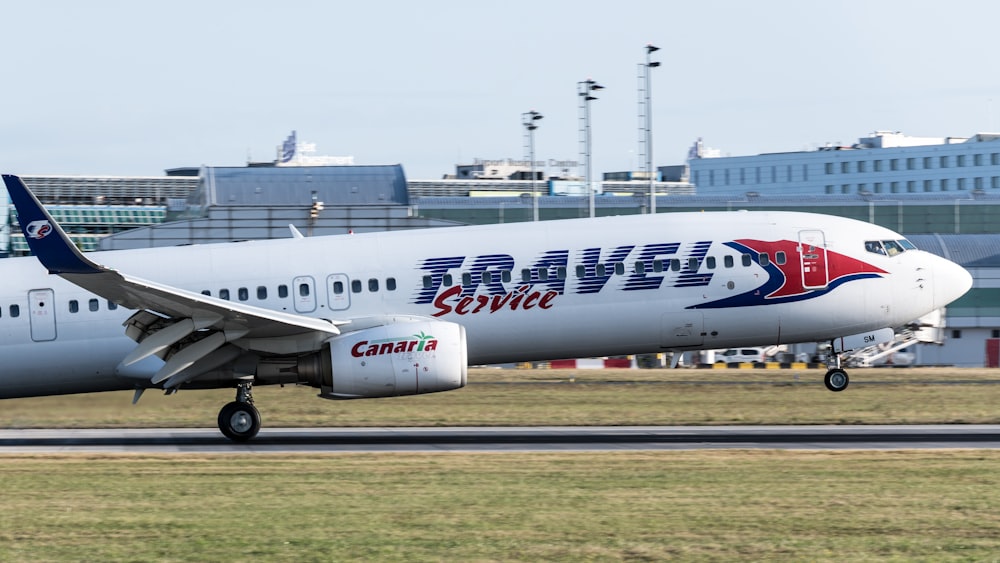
x=501 y=439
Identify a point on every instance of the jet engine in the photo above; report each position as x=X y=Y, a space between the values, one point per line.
x=405 y=358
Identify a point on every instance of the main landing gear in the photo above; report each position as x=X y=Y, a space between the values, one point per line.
x=836 y=378
x=240 y=420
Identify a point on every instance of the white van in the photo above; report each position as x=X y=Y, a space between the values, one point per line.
x=740 y=355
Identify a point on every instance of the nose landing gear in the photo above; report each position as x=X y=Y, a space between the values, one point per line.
x=836 y=378
x=240 y=420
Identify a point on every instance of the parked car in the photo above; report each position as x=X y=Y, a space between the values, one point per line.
x=740 y=355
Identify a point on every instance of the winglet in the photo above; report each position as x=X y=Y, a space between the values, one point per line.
x=46 y=239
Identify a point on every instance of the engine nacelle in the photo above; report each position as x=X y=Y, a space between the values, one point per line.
x=406 y=358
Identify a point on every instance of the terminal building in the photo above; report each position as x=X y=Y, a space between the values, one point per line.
x=261 y=200
x=882 y=163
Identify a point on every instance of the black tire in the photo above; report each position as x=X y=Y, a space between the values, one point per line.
x=836 y=380
x=239 y=421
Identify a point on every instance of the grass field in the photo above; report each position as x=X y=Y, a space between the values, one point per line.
x=638 y=506
x=733 y=505
x=553 y=397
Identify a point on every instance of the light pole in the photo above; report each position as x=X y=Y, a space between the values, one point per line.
x=585 y=91
x=530 y=121
x=650 y=49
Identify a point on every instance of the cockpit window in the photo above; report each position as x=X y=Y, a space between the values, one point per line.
x=888 y=247
x=892 y=247
x=874 y=246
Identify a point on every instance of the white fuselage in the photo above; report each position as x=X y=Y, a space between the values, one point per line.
x=527 y=291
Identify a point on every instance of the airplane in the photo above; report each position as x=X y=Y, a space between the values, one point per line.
x=400 y=313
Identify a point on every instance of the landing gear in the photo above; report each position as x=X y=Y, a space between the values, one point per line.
x=240 y=420
x=836 y=379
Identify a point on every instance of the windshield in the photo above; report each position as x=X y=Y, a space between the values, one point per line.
x=889 y=247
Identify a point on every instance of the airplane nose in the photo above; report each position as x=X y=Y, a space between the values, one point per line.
x=951 y=281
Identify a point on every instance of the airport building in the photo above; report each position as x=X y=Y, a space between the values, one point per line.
x=882 y=163
x=219 y=204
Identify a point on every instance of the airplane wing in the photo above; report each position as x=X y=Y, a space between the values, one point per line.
x=178 y=313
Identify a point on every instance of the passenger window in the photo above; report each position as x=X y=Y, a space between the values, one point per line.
x=93 y=305
x=74 y=306
x=657 y=265
x=428 y=282
x=601 y=271
x=640 y=267
x=561 y=272
x=373 y=285
x=224 y=294
x=710 y=262
x=303 y=290
x=283 y=291
x=728 y=261
x=487 y=277
x=356 y=286
x=446 y=280
x=338 y=287
x=675 y=265
x=779 y=257
x=693 y=264
x=261 y=292
x=466 y=279
x=765 y=260
x=15 y=311
x=745 y=259
x=620 y=268
x=526 y=275
x=581 y=271
x=543 y=274
x=243 y=293
x=505 y=276
x=390 y=284
x=206 y=292
x=112 y=305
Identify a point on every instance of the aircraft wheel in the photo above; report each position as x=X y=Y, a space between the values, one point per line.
x=239 y=421
x=836 y=380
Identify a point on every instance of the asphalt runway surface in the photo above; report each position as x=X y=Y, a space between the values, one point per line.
x=502 y=439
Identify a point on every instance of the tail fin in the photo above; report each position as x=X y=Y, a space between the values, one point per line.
x=46 y=239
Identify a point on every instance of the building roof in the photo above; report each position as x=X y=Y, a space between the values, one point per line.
x=331 y=185
x=970 y=251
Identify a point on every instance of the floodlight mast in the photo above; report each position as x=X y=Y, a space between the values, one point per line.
x=650 y=49
x=530 y=122
x=584 y=90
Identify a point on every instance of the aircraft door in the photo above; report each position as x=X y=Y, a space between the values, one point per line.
x=812 y=256
x=337 y=292
x=304 y=293
x=41 y=306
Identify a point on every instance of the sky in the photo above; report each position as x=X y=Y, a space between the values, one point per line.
x=134 y=88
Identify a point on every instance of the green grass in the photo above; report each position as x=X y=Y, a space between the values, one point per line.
x=638 y=506
x=553 y=397
x=733 y=505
